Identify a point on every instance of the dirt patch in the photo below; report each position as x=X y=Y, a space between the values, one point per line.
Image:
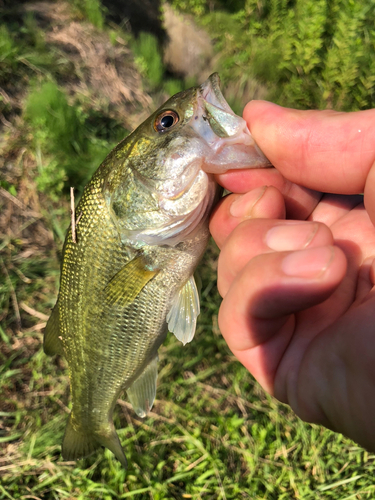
x=104 y=72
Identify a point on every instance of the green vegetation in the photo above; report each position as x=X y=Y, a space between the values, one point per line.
x=92 y=10
x=8 y=52
x=213 y=432
x=24 y=52
x=196 y=7
x=308 y=53
x=148 y=58
x=65 y=147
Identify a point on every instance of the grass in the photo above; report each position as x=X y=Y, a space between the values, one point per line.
x=213 y=433
x=91 y=10
x=148 y=58
x=67 y=149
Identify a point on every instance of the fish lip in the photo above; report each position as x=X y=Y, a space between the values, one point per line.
x=210 y=89
x=228 y=137
x=213 y=107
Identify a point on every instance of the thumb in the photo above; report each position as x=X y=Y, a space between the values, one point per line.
x=326 y=150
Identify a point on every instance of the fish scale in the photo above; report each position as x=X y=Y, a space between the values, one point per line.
x=104 y=386
x=128 y=278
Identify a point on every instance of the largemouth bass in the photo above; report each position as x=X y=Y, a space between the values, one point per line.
x=127 y=269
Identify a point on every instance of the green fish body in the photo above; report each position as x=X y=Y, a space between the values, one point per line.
x=127 y=273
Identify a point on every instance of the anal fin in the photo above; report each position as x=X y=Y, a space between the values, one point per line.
x=182 y=317
x=52 y=337
x=143 y=390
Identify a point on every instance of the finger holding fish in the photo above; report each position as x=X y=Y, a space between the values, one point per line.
x=264 y=202
x=292 y=281
x=299 y=201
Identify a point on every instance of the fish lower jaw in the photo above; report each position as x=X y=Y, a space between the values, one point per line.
x=236 y=152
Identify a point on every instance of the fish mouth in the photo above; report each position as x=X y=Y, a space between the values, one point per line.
x=232 y=146
x=211 y=92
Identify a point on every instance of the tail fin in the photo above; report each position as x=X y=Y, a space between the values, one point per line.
x=79 y=444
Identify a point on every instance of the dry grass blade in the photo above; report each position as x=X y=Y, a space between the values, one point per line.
x=12 y=198
x=197 y=462
x=26 y=212
x=33 y=312
x=73 y=215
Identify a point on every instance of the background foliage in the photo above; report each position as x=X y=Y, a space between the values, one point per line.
x=72 y=84
x=309 y=53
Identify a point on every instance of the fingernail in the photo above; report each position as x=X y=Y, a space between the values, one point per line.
x=308 y=263
x=291 y=236
x=243 y=204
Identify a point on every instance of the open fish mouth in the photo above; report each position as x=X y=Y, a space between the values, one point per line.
x=232 y=146
x=216 y=140
x=211 y=92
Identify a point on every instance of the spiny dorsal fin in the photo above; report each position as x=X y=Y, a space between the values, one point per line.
x=182 y=317
x=52 y=337
x=126 y=285
x=142 y=392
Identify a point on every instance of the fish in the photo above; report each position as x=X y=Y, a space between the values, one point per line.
x=128 y=262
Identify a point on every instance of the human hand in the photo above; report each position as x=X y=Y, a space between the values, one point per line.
x=297 y=270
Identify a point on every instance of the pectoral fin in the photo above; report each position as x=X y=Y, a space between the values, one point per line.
x=125 y=286
x=52 y=337
x=143 y=390
x=182 y=318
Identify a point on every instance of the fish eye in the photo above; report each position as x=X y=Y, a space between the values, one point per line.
x=165 y=121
